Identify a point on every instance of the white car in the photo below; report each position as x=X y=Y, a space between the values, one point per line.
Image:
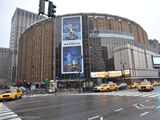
x=23 y=89
x=98 y=87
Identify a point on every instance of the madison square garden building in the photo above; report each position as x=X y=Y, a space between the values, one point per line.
x=71 y=47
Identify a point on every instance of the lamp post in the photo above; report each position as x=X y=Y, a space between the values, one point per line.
x=79 y=80
x=79 y=71
x=123 y=70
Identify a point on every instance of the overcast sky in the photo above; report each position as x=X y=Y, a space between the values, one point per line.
x=144 y=12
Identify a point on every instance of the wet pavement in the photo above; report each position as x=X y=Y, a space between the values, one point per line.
x=90 y=106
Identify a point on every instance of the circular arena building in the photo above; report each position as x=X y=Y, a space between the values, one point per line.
x=70 y=47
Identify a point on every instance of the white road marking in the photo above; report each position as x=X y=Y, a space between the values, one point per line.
x=3 y=114
x=147 y=100
x=118 y=109
x=6 y=113
x=9 y=116
x=143 y=113
x=16 y=119
x=4 y=109
x=93 y=117
x=138 y=106
x=101 y=118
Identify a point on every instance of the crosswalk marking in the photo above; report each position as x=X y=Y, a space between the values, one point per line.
x=3 y=114
x=125 y=93
x=9 y=116
x=15 y=119
x=6 y=113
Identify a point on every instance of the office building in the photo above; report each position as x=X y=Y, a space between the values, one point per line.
x=5 y=62
x=20 y=21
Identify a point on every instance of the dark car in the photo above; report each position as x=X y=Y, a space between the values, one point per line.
x=122 y=86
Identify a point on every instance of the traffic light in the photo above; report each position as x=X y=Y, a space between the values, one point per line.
x=51 y=9
x=41 y=6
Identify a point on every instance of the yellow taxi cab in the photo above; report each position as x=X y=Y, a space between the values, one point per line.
x=135 y=85
x=11 y=94
x=106 y=87
x=156 y=83
x=145 y=86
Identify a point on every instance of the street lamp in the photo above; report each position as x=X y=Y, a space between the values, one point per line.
x=123 y=69
x=79 y=71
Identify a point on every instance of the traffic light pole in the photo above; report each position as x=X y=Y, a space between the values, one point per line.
x=51 y=8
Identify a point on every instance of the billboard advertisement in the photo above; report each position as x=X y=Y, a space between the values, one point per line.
x=72 y=49
x=156 y=61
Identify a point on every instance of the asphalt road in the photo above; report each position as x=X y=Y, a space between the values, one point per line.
x=91 y=106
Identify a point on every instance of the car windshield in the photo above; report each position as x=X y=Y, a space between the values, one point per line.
x=123 y=84
x=10 y=91
x=102 y=85
x=135 y=83
x=145 y=83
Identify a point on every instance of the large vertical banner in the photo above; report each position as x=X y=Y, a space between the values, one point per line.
x=72 y=49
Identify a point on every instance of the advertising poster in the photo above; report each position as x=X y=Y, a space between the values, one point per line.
x=72 y=28
x=72 y=53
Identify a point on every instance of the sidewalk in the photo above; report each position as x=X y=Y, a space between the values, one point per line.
x=68 y=92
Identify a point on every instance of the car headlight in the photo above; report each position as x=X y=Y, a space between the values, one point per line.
x=0 y=95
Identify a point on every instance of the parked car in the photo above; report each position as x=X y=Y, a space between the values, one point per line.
x=145 y=86
x=11 y=94
x=122 y=86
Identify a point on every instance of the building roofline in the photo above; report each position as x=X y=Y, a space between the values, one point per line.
x=85 y=14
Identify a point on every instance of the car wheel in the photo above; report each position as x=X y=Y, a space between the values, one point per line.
x=116 y=89
x=16 y=97
x=108 y=90
x=20 y=97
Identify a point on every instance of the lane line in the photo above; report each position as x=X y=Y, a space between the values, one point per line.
x=119 y=109
x=93 y=117
x=147 y=100
x=144 y=113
